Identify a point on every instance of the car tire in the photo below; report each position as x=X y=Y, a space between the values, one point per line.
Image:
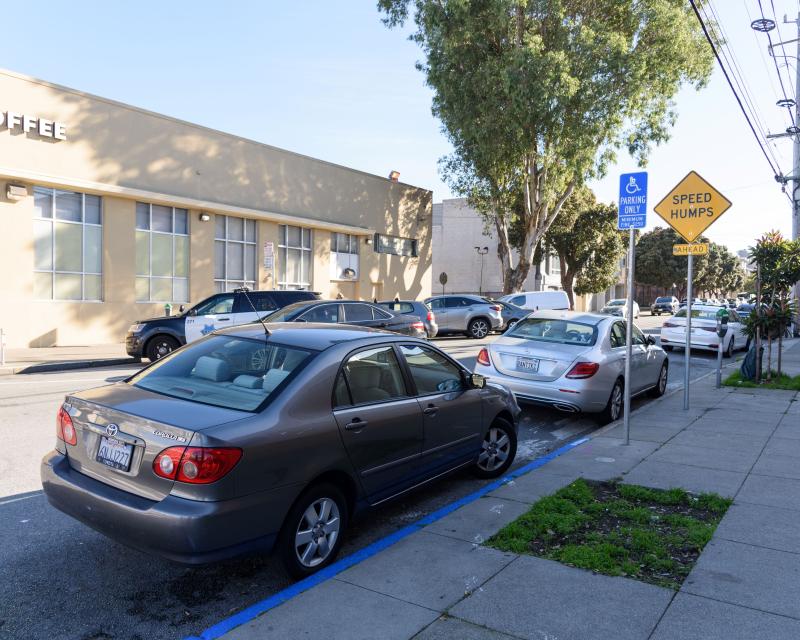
x=326 y=504
x=479 y=328
x=661 y=383
x=728 y=353
x=160 y=346
x=498 y=448
x=510 y=324
x=615 y=405
x=667 y=347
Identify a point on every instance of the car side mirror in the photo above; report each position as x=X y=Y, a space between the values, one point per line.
x=192 y=312
x=477 y=381
x=651 y=340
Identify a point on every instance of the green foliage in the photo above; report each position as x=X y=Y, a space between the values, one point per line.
x=649 y=534
x=718 y=272
x=536 y=96
x=586 y=239
x=776 y=381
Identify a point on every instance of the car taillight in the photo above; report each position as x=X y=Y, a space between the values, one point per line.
x=65 y=430
x=583 y=370
x=196 y=465
x=431 y=317
x=494 y=307
x=483 y=357
x=418 y=325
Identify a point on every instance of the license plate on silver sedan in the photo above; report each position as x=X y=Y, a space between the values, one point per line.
x=528 y=364
x=114 y=453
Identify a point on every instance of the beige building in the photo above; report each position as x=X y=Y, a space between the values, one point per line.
x=108 y=212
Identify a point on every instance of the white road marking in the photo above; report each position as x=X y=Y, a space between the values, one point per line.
x=38 y=495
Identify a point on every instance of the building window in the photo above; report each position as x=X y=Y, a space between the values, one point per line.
x=68 y=245
x=295 y=258
x=395 y=245
x=162 y=253
x=234 y=253
x=555 y=265
x=344 y=256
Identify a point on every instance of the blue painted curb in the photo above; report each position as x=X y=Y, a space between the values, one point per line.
x=255 y=610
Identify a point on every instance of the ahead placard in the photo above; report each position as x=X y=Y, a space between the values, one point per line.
x=698 y=249
x=692 y=206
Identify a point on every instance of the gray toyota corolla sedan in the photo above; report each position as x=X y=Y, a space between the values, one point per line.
x=574 y=362
x=246 y=440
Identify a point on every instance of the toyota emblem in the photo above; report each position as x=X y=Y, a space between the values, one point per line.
x=112 y=430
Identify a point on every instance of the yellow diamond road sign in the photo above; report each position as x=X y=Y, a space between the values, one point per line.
x=692 y=206
x=699 y=249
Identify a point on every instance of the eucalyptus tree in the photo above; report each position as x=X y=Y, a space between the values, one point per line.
x=537 y=96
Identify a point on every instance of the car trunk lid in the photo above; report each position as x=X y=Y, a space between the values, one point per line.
x=121 y=429
x=532 y=360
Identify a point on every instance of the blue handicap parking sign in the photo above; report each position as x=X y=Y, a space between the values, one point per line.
x=632 y=200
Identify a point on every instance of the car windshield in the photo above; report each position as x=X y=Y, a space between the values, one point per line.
x=616 y=303
x=700 y=314
x=225 y=371
x=663 y=299
x=554 y=330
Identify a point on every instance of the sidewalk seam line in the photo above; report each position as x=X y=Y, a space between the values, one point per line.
x=759 y=546
x=736 y=604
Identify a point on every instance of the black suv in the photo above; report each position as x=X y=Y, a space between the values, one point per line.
x=156 y=337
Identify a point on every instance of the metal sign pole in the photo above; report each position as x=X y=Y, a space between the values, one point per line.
x=687 y=352
x=719 y=362
x=629 y=340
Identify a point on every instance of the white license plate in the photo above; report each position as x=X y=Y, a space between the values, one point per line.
x=114 y=454
x=528 y=364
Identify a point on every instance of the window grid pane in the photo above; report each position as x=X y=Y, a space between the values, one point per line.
x=234 y=253
x=68 y=245
x=162 y=253
x=295 y=264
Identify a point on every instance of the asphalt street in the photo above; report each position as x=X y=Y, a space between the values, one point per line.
x=62 y=581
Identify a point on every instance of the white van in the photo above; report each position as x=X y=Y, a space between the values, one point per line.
x=534 y=300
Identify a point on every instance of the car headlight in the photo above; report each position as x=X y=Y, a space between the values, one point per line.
x=136 y=327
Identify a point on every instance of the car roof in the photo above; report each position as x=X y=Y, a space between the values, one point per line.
x=707 y=307
x=576 y=316
x=311 y=335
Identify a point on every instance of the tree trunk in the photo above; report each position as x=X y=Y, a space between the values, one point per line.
x=769 y=357
x=567 y=280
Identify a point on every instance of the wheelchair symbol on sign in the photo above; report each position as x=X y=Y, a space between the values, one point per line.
x=632 y=187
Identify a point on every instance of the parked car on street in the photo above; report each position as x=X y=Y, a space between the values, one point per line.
x=535 y=300
x=355 y=312
x=510 y=313
x=664 y=304
x=414 y=308
x=694 y=302
x=467 y=314
x=156 y=337
x=574 y=362
x=619 y=307
x=704 y=330
x=248 y=440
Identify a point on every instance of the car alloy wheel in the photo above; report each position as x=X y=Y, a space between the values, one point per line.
x=479 y=328
x=661 y=384
x=160 y=347
x=616 y=402
x=317 y=532
x=498 y=449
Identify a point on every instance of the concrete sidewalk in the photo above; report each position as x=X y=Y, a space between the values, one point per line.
x=442 y=583
x=43 y=359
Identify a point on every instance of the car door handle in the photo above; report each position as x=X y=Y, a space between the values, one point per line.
x=223 y=319
x=356 y=424
x=430 y=410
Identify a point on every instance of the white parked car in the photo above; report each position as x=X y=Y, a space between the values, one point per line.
x=619 y=307
x=535 y=300
x=704 y=330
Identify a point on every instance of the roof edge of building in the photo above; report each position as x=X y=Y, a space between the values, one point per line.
x=233 y=136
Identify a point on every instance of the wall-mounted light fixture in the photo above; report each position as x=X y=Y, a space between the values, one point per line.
x=394 y=176
x=16 y=191
x=367 y=240
x=204 y=217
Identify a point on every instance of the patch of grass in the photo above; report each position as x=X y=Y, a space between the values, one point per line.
x=619 y=530
x=777 y=382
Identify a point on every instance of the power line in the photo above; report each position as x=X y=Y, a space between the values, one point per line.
x=775 y=60
x=775 y=171
x=783 y=46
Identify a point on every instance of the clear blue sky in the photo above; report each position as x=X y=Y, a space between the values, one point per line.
x=329 y=80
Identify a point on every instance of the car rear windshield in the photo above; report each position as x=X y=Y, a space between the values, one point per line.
x=225 y=371
x=561 y=331
x=663 y=299
x=616 y=303
x=398 y=307
x=700 y=314
x=287 y=312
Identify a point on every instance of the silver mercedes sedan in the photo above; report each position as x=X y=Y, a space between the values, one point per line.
x=574 y=362
x=259 y=437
